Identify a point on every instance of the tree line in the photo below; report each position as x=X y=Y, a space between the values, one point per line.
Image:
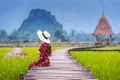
x=59 y=36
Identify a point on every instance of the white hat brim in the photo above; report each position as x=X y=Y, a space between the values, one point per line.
x=41 y=37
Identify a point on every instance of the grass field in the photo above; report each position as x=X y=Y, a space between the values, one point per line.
x=10 y=68
x=104 y=65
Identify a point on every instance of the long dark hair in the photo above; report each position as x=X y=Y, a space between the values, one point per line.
x=48 y=51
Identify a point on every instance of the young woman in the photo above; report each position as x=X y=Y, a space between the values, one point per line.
x=44 y=50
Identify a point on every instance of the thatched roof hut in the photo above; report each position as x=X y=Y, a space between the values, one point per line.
x=103 y=28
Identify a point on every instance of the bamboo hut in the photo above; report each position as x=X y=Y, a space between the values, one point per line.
x=103 y=28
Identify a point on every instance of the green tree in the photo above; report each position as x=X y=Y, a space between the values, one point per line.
x=3 y=35
x=21 y=36
x=73 y=36
x=59 y=35
x=14 y=36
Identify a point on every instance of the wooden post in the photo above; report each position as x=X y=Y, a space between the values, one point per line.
x=96 y=38
x=18 y=44
x=22 y=75
x=110 y=39
x=88 y=69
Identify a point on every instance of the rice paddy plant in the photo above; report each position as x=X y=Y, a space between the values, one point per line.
x=104 y=65
x=11 y=67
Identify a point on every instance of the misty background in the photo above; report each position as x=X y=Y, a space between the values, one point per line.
x=83 y=15
x=75 y=15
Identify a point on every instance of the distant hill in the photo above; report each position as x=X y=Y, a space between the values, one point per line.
x=44 y=20
x=40 y=19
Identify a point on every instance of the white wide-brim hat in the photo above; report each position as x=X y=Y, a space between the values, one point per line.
x=44 y=36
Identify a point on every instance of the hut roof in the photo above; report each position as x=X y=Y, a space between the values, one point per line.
x=103 y=27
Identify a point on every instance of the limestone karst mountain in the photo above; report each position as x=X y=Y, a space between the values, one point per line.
x=40 y=19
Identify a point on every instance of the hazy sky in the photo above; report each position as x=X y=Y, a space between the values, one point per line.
x=81 y=15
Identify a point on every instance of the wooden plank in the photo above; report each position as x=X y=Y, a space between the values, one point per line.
x=63 y=67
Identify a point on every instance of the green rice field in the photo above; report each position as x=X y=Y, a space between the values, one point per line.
x=10 y=68
x=105 y=65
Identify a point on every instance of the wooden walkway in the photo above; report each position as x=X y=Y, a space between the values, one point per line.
x=63 y=67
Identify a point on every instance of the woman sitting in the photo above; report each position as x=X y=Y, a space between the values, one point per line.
x=44 y=50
